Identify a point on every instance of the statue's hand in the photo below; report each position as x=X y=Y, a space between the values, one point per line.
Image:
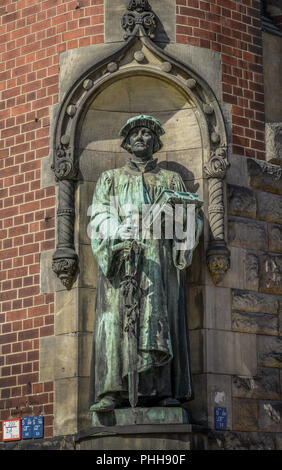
x=127 y=232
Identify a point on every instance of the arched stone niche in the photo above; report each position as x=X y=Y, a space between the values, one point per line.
x=137 y=78
x=140 y=58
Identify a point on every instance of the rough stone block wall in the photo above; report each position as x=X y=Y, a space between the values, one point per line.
x=33 y=33
x=255 y=233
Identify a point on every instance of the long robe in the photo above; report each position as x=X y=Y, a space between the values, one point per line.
x=163 y=342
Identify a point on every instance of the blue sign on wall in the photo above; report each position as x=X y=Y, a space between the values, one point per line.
x=220 y=417
x=27 y=428
x=37 y=422
x=32 y=427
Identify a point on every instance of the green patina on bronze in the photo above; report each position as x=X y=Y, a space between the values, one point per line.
x=142 y=121
x=158 y=288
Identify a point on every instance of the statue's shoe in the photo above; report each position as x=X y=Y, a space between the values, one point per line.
x=104 y=405
x=169 y=401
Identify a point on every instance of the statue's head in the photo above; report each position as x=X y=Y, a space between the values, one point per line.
x=141 y=136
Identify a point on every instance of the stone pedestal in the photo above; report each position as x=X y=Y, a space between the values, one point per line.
x=156 y=428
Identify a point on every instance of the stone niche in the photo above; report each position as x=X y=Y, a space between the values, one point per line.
x=99 y=150
x=100 y=88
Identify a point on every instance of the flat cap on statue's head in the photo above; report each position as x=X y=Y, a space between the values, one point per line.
x=142 y=121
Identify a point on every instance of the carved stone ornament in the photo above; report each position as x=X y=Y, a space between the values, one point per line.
x=65 y=268
x=139 y=23
x=218 y=164
x=271 y=273
x=274 y=170
x=139 y=14
x=218 y=262
x=264 y=176
x=64 y=168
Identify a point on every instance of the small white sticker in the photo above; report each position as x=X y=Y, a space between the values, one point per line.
x=219 y=397
x=11 y=430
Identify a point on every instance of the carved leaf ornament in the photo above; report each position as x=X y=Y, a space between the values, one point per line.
x=139 y=23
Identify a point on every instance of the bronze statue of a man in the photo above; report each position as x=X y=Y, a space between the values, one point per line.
x=141 y=344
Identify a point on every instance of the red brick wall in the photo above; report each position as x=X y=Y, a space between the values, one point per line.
x=233 y=29
x=32 y=35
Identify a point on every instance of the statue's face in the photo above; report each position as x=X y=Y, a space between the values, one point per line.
x=141 y=141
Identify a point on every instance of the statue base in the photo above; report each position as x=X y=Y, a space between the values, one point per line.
x=141 y=416
x=156 y=428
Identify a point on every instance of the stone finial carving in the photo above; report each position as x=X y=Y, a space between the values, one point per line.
x=139 y=14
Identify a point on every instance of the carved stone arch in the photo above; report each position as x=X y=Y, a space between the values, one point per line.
x=139 y=55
